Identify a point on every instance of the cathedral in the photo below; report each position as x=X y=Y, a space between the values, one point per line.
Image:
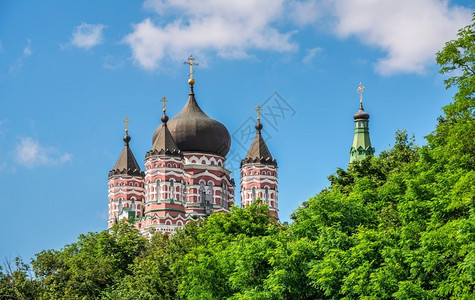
x=185 y=175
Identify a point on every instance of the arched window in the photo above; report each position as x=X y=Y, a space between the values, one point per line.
x=172 y=190
x=224 y=196
x=209 y=193
x=202 y=192
x=266 y=194
x=158 y=190
x=253 y=191
x=120 y=205
x=185 y=192
x=132 y=206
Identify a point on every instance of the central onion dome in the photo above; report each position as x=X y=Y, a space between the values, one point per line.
x=194 y=131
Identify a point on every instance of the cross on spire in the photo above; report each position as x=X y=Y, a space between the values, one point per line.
x=126 y=121
x=360 y=90
x=191 y=61
x=258 y=109
x=164 y=100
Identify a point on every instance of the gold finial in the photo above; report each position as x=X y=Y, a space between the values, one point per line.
x=191 y=61
x=360 y=90
x=126 y=121
x=258 y=109
x=164 y=100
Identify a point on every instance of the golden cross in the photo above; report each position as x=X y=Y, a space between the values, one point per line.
x=164 y=100
x=126 y=121
x=258 y=109
x=191 y=61
x=360 y=90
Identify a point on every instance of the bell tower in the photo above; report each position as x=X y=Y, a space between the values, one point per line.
x=361 y=147
x=259 y=173
x=126 y=185
x=164 y=182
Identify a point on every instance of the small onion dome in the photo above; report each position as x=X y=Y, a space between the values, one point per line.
x=126 y=139
x=361 y=114
x=194 y=131
x=126 y=163
x=164 y=118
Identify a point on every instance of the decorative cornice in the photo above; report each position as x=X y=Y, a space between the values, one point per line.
x=130 y=172
x=262 y=160
x=167 y=152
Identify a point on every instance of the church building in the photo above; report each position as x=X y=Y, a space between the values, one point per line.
x=185 y=175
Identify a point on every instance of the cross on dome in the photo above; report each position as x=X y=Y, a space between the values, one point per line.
x=360 y=91
x=126 y=121
x=164 y=101
x=258 y=109
x=191 y=61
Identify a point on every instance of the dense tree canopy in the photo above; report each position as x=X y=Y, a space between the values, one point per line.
x=397 y=226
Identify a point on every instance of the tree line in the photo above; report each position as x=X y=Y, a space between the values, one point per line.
x=397 y=226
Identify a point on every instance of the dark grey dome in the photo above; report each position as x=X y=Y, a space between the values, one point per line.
x=194 y=131
x=361 y=114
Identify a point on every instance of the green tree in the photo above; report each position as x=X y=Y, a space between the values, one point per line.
x=18 y=282
x=91 y=266
x=455 y=133
x=231 y=257
x=158 y=275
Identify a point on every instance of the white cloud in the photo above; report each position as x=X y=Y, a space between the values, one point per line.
x=410 y=32
x=31 y=154
x=307 y=12
x=228 y=28
x=87 y=35
x=20 y=62
x=311 y=54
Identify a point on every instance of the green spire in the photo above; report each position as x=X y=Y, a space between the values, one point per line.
x=361 y=147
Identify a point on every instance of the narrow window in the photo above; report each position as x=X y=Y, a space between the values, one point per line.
x=158 y=191
x=224 y=196
x=209 y=193
x=202 y=192
x=172 y=190
x=185 y=192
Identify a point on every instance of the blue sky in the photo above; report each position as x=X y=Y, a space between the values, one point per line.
x=71 y=71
